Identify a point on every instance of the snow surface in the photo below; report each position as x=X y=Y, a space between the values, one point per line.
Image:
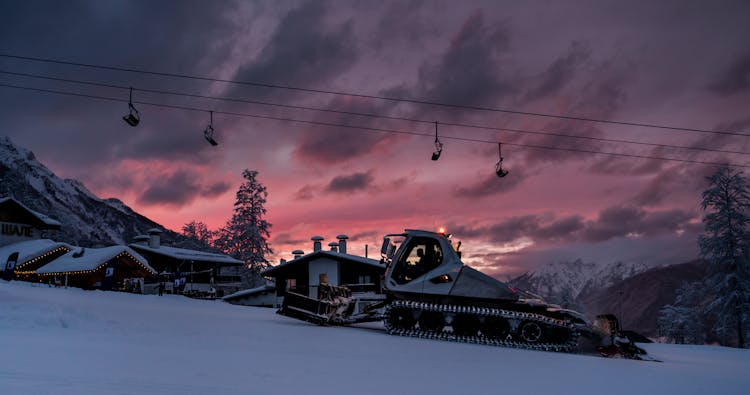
x=70 y=341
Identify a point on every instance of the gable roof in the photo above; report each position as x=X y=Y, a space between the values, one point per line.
x=187 y=255
x=41 y=221
x=91 y=259
x=30 y=249
x=335 y=255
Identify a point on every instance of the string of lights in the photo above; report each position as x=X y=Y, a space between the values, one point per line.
x=370 y=115
x=369 y=96
x=368 y=128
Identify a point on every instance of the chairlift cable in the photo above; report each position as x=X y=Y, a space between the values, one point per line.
x=368 y=96
x=415 y=120
x=371 y=129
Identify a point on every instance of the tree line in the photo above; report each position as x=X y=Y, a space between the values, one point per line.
x=715 y=309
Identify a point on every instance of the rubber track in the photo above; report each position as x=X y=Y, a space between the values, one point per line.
x=569 y=346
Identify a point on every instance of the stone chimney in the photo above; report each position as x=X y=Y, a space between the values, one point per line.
x=154 y=238
x=342 y=243
x=317 y=243
x=334 y=246
x=298 y=253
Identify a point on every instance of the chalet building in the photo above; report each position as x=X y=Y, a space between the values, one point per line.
x=98 y=268
x=31 y=255
x=199 y=271
x=20 y=223
x=335 y=266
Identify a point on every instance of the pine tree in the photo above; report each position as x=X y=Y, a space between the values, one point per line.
x=726 y=246
x=682 y=321
x=199 y=232
x=245 y=234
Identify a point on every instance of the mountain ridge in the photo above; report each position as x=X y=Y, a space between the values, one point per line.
x=87 y=220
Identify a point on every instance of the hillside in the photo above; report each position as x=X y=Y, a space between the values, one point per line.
x=638 y=299
x=87 y=220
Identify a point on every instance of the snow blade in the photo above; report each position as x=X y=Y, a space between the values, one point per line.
x=333 y=306
x=619 y=344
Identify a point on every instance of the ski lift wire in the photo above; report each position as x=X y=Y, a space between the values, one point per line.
x=374 y=129
x=367 y=96
x=308 y=108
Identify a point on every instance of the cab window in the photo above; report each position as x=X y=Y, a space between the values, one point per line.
x=418 y=258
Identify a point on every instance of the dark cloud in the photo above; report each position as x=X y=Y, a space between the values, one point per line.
x=403 y=21
x=289 y=239
x=159 y=36
x=612 y=222
x=307 y=192
x=490 y=185
x=672 y=182
x=470 y=70
x=367 y=235
x=304 y=50
x=179 y=188
x=560 y=229
x=351 y=183
x=215 y=189
x=599 y=97
x=622 y=221
x=329 y=145
x=561 y=71
x=735 y=78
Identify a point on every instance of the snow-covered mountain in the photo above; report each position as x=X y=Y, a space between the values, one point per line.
x=566 y=282
x=87 y=220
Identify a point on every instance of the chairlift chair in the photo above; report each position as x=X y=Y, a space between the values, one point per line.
x=133 y=117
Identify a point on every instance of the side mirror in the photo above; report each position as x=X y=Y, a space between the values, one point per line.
x=384 y=247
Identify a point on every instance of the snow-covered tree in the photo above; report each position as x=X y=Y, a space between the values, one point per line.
x=199 y=232
x=245 y=234
x=726 y=246
x=682 y=322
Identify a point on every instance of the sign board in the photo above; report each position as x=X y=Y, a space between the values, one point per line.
x=11 y=232
x=10 y=265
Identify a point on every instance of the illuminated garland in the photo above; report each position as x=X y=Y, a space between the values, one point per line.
x=128 y=255
x=42 y=256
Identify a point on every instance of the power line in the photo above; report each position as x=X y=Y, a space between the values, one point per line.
x=366 y=128
x=371 y=115
x=377 y=97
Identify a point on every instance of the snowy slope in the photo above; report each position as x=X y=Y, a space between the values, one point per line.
x=69 y=341
x=86 y=219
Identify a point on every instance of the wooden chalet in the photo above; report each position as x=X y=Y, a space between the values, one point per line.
x=97 y=268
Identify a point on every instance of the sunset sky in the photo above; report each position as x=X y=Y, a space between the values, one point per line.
x=676 y=63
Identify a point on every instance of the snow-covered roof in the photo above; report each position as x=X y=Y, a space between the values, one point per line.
x=30 y=249
x=188 y=255
x=251 y=291
x=335 y=255
x=41 y=217
x=91 y=259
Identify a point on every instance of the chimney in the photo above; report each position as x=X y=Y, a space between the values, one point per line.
x=298 y=253
x=141 y=240
x=342 y=243
x=334 y=246
x=155 y=238
x=317 y=246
